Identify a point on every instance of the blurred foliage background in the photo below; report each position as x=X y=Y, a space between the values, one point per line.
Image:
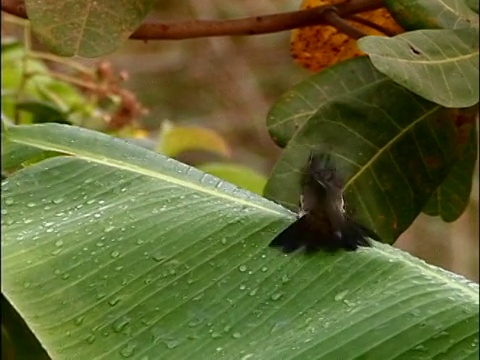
x=228 y=85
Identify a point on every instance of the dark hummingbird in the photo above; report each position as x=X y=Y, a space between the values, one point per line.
x=322 y=221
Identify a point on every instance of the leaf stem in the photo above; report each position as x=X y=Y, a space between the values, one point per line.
x=371 y=24
x=342 y=25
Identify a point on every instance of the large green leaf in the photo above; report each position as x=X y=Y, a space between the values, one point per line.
x=117 y=252
x=439 y=65
x=452 y=196
x=392 y=147
x=87 y=28
x=298 y=105
x=432 y=14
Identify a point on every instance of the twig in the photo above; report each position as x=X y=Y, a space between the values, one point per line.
x=66 y=78
x=65 y=62
x=344 y=26
x=256 y=25
x=371 y=24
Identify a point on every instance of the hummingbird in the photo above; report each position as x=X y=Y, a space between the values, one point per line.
x=322 y=220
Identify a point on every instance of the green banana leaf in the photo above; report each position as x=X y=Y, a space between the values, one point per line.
x=111 y=251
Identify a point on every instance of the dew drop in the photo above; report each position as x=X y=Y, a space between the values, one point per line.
x=128 y=350
x=172 y=343
x=247 y=357
x=59 y=243
x=56 y=251
x=440 y=334
x=158 y=257
x=91 y=339
x=253 y=292
x=415 y=312
x=277 y=326
x=420 y=348
x=199 y=296
x=236 y=335
x=9 y=201
x=195 y=322
x=242 y=268
x=215 y=335
x=340 y=295
x=276 y=296
x=120 y=324
x=109 y=228
x=57 y=201
x=79 y=320
x=114 y=302
x=115 y=254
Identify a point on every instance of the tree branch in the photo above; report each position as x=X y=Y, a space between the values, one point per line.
x=333 y=19
x=264 y=24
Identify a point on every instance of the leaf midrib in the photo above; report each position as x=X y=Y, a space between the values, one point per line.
x=110 y=162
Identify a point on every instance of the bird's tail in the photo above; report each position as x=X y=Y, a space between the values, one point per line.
x=301 y=233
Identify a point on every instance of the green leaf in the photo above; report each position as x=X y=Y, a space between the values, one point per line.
x=119 y=252
x=43 y=112
x=392 y=147
x=41 y=88
x=237 y=174
x=428 y=14
x=451 y=198
x=85 y=27
x=439 y=65
x=175 y=140
x=18 y=342
x=12 y=75
x=298 y=105
x=472 y=4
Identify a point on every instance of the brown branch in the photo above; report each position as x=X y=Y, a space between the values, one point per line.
x=372 y=25
x=264 y=24
x=344 y=26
